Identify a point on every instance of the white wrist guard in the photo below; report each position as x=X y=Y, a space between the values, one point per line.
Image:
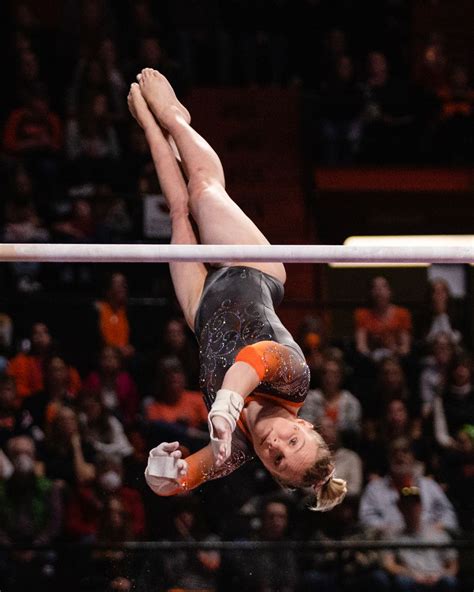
x=227 y=404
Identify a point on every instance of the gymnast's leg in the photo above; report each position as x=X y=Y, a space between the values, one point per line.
x=188 y=277
x=219 y=219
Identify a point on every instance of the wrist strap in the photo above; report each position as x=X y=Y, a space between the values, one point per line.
x=227 y=404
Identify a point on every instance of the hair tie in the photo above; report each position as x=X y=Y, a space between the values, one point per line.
x=323 y=482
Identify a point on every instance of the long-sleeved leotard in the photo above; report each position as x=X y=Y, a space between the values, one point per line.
x=236 y=321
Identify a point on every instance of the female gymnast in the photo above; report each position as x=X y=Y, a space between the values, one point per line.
x=253 y=375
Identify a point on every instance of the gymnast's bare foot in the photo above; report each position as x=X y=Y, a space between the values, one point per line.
x=160 y=96
x=139 y=108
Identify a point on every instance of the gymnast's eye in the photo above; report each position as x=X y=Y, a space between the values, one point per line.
x=293 y=441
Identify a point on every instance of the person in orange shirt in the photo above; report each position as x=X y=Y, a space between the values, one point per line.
x=382 y=328
x=28 y=368
x=175 y=411
x=113 y=323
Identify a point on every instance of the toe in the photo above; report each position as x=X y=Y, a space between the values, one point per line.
x=139 y=76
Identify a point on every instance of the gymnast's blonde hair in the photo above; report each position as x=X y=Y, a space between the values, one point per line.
x=328 y=489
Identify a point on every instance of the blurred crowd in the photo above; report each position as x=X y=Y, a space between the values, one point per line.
x=394 y=401
x=79 y=411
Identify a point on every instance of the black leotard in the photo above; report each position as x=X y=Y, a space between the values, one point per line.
x=237 y=309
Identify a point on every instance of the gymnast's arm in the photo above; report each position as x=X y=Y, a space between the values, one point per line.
x=253 y=364
x=168 y=474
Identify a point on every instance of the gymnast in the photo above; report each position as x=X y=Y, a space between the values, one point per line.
x=253 y=375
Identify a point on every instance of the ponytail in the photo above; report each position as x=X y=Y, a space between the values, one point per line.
x=330 y=494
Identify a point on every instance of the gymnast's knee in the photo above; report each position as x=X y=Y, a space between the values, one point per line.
x=202 y=187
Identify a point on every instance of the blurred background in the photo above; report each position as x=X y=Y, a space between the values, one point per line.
x=333 y=118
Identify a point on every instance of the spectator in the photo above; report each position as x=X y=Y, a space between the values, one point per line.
x=382 y=328
x=378 y=507
x=137 y=156
x=142 y=24
x=420 y=569
x=79 y=226
x=334 y=48
x=191 y=570
x=176 y=341
x=438 y=316
x=31 y=504
x=34 y=133
x=115 y=527
x=101 y=429
x=174 y=412
x=150 y=54
x=431 y=71
x=454 y=407
x=395 y=423
x=113 y=323
x=457 y=125
x=6 y=339
x=109 y=60
x=458 y=464
x=333 y=402
x=322 y=571
x=347 y=462
x=30 y=514
x=92 y=143
x=312 y=340
x=433 y=375
x=390 y=383
x=23 y=225
x=28 y=79
x=66 y=455
x=114 y=385
x=262 y=571
x=389 y=114
x=341 y=114
x=87 y=504
x=13 y=420
x=27 y=368
x=44 y=404
x=100 y=75
x=113 y=221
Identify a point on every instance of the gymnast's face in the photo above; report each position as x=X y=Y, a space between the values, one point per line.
x=288 y=447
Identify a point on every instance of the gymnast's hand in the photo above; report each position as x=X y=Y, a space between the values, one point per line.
x=165 y=467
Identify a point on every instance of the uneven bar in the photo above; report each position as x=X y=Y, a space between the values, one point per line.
x=146 y=253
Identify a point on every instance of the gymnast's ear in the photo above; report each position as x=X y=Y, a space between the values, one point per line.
x=305 y=423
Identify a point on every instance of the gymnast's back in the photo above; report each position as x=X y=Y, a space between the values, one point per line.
x=237 y=309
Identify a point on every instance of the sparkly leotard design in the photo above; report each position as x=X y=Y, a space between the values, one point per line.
x=236 y=310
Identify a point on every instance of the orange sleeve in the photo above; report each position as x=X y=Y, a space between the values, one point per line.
x=265 y=357
x=200 y=470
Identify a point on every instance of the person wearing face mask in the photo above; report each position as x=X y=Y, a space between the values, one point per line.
x=30 y=512
x=84 y=511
